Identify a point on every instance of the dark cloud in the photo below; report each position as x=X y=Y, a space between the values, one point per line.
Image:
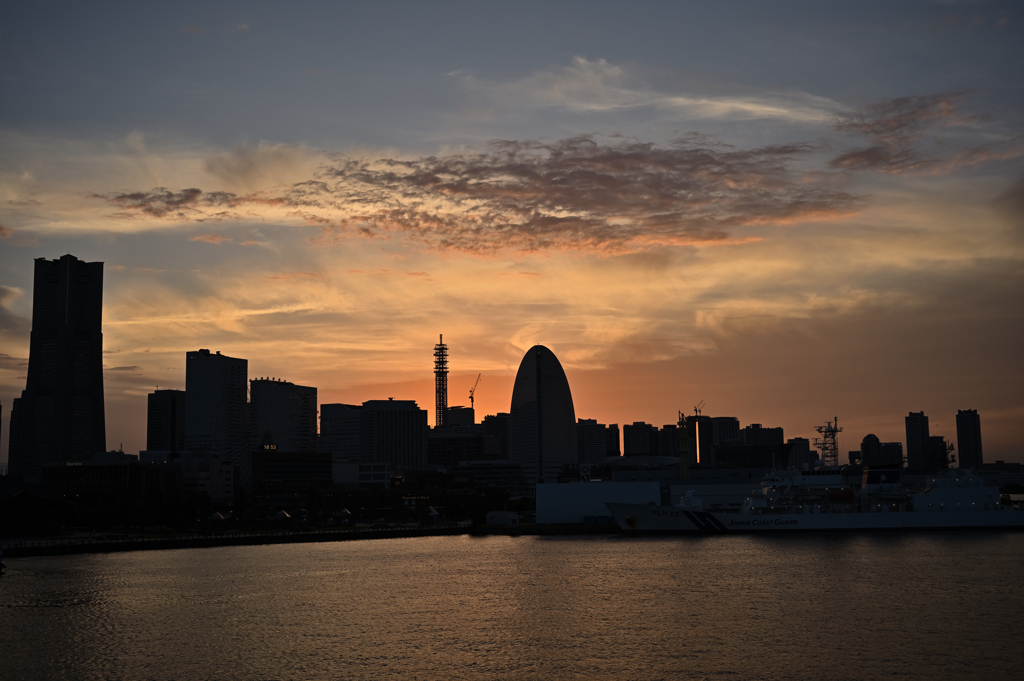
x=884 y=157
x=575 y=193
x=125 y=368
x=899 y=121
x=163 y=203
x=590 y=192
x=896 y=127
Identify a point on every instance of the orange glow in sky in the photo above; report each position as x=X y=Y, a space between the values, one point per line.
x=677 y=218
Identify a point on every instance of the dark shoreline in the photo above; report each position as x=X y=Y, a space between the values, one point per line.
x=15 y=548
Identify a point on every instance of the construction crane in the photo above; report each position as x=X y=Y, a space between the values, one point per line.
x=473 y=391
x=696 y=409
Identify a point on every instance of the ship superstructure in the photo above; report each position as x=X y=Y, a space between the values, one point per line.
x=825 y=499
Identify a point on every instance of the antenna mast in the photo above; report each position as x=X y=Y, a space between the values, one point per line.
x=440 y=382
x=828 y=444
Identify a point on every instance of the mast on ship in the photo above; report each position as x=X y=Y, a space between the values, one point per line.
x=828 y=443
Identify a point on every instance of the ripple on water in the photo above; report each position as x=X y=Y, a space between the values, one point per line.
x=813 y=606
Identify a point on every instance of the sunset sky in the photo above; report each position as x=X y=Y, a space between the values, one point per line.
x=789 y=210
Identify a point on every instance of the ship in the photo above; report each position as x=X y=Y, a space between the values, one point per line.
x=823 y=499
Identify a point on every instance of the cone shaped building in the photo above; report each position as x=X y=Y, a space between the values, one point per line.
x=542 y=427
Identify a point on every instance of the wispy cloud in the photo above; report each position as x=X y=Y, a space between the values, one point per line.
x=247 y=168
x=282 y=276
x=595 y=85
x=211 y=238
x=9 y=319
x=897 y=130
x=900 y=121
x=13 y=363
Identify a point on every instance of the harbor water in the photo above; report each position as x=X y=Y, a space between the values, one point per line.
x=932 y=605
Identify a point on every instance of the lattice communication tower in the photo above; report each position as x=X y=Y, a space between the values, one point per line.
x=440 y=381
x=827 y=442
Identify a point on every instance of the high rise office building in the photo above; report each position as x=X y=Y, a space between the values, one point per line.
x=614 y=442
x=59 y=416
x=542 y=430
x=873 y=452
x=592 y=441
x=216 y=408
x=341 y=430
x=165 y=421
x=668 y=440
x=800 y=453
x=968 y=438
x=282 y=416
x=646 y=439
x=700 y=440
x=395 y=432
x=870 y=450
x=876 y=453
x=459 y=416
x=725 y=430
x=937 y=451
x=892 y=453
x=496 y=435
x=756 y=434
x=637 y=439
x=917 y=441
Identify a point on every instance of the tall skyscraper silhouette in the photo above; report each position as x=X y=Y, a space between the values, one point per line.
x=968 y=438
x=59 y=416
x=917 y=441
x=216 y=418
x=542 y=429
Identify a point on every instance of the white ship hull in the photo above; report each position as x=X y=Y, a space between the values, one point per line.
x=652 y=518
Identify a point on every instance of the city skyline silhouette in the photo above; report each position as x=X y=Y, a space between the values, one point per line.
x=683 y=203
x=719 y=307
x=59 y=416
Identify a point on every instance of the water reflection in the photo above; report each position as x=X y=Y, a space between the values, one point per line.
x=920 y=606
